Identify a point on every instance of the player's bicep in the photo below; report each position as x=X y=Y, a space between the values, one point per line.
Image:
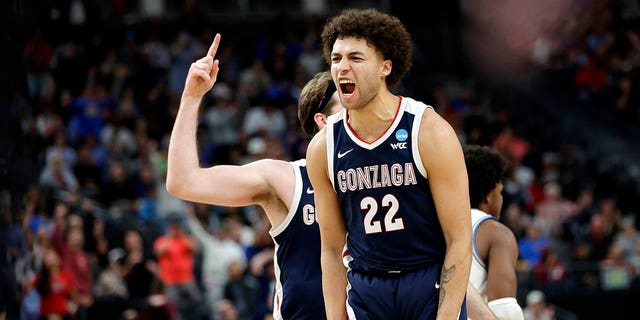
x=228 y=185
x=443 y=159
x=502 y=259
x=330 y=221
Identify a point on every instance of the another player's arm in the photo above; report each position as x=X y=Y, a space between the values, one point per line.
x=443 y=159
x=501 y=275
x=332 y=229
x=477 y=309
x=221 y=185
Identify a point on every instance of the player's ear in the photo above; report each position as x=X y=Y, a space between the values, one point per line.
x=386 y=67
x=320 y=120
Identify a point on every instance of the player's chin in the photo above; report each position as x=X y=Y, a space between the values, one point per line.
x=349 y=99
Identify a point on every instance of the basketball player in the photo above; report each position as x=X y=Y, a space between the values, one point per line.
x=389 y=177
x=495 y=250
x=281 y=188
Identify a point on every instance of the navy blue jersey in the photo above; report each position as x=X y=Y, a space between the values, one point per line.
x=298 y=291
x=382 y=187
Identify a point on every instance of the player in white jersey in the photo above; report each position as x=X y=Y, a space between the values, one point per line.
x=495 y=250
x=281 y=188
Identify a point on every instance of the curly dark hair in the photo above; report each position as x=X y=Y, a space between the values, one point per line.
x=384 y=32
x=485 y=168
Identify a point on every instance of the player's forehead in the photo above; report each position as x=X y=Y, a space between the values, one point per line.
x=344 y=46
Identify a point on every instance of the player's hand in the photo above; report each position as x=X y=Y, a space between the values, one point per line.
x=203 y=73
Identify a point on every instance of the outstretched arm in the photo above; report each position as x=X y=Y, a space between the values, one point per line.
x=223 y=185
x=332 y=230
x=443 y=159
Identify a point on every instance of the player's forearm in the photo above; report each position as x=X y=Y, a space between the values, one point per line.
x=334 y=285
x=477 y=308
x=183 y=163
x=454 y=278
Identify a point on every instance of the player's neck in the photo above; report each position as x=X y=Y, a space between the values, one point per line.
x=375 y=118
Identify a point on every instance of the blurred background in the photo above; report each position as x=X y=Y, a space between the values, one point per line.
x=89 y=91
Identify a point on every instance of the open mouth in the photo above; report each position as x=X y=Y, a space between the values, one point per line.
x=347 y=86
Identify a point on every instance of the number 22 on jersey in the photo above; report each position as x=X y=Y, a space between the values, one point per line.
x=391 y=223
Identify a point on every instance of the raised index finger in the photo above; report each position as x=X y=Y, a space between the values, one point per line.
x=214 y=46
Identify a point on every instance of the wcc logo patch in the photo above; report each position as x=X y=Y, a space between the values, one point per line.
x=401 y=135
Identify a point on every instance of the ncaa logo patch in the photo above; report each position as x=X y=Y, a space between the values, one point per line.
x=402 y=135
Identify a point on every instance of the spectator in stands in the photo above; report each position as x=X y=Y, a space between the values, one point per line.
x=241 y=289
x=550 y=270
x=634 y=260
x=119 y=188
x=62 y=147
x=57 y=174
x=68 y=240
x=223 y=119
x=175 y=250
x=110 y=290
x=537 y=307
x=87 y=172
x=36 y=56
x=616 y=271
x=628 y=237
x=266 y=118
x=554 y=210
x=219 y=252
x=604 y=225
x=138 y=269
x=253 y=83
x=532 y=245
x=511 y=145
x=56 y=289
x=226 y=310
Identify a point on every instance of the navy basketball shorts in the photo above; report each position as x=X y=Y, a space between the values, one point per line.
x=410 y=295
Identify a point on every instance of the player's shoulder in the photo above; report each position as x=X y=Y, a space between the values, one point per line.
x=435 y=127
x=499 y=233
x=431 y=119
x=414 y=106
x=270 y=163
x=272 y=167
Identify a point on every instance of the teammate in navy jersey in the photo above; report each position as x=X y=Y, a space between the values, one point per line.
x=495 y=250
x=389 y=177
x=281 y=188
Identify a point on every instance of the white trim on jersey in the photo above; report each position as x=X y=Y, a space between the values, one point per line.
x=475 y=226
x=351 y=315
x=331 y=122
x=295 y=201
x=478 y=271
x=417 y=109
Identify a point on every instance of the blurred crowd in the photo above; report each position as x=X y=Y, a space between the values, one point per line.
x=93 y=234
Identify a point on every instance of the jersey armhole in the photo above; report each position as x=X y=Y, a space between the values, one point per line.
x=332 y=120
x=415 y=136
x=295 y=201
x=476 y=254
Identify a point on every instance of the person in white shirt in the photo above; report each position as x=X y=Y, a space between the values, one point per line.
x=494 y=246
